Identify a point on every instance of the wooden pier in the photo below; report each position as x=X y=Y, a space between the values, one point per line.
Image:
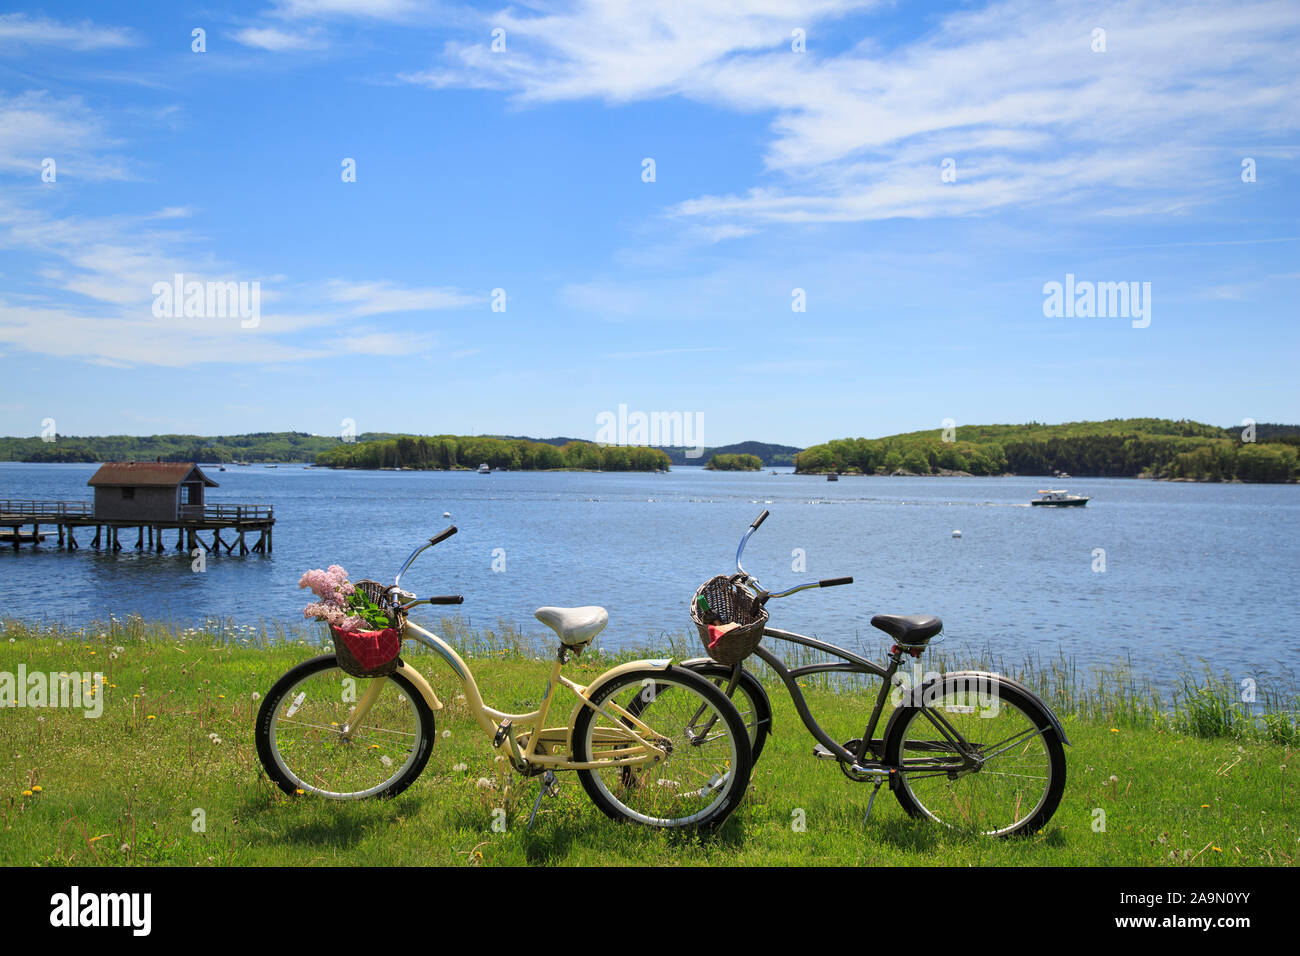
x=228 y=527
x=154 y=498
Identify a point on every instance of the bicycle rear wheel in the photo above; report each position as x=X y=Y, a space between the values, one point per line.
x=1004 y=777
x=704 y=776
x=305 y=743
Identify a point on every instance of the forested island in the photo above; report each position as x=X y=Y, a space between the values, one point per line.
x=1130 y=447
x=734 y=463
x=449 y=452
x=256 y=446
x=370 y=450
x=767 y=454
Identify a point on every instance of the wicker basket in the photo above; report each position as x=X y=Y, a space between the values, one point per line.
x=730 y=603
x=389 y=639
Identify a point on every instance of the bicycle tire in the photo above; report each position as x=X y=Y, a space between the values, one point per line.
x=724 y=787
x=278 y=768
x=928 y=802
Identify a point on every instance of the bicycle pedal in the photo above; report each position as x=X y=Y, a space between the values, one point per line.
x=821 y=753
x=500 y=737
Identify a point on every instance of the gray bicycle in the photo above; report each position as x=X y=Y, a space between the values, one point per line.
x=972 y=750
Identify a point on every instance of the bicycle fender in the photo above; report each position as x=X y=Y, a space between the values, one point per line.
x=989 y=675
x=658 y=664
x=422 y=685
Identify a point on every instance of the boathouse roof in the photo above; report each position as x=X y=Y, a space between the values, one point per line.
x=167 y=474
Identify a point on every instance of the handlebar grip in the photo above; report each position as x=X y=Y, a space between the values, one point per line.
x=834 y=582
x=448 y=599
x=443 y=536
x=760 y=519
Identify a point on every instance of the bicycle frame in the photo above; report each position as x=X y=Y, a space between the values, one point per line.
x=524 y=748
x=850 y=664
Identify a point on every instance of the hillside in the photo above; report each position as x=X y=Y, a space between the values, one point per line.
x=1131 y=447
x=767 y=454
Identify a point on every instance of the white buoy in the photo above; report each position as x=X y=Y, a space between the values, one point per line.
x=956 y=534
x=446 y=514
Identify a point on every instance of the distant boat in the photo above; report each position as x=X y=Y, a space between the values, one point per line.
x=242 y=464
x=831 y=477
x=272 y=466
x=222 y=468
x=1060 y=499
x=483 y=469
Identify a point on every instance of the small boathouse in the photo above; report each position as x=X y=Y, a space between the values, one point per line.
x=151 y=497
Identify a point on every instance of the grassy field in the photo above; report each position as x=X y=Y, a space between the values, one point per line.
x=169 y=775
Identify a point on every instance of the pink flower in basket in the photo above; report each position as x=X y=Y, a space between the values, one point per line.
x=333 y=588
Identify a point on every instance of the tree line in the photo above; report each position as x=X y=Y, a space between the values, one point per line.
x=726 y=462
x=1153 y=448
x=451 y=452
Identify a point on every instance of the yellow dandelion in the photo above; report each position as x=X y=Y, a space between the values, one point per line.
x=300 y=790
x=27 y=793
x=1205 y=806
x=1114 y=730
x=36 y=789
x=151 y=717
x=112 y=685
x=221 y=697
x=1216 y=849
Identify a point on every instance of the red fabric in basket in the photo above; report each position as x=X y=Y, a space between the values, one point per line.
x=372 y=648
x=719 y=631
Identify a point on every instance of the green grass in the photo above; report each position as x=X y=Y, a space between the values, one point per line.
x=1203 y=784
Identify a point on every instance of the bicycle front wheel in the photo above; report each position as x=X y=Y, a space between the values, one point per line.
x=706 y=771
x=305 y=741
x=747 y=694
x=977 y=754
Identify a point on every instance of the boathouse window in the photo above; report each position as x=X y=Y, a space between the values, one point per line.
x=185 y=494
x=128 y=494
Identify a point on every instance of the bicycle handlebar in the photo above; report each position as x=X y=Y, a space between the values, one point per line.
x=764 y=595
x=436 y=539
x=443 y=536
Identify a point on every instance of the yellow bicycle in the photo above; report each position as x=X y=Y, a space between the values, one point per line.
x=684 y=762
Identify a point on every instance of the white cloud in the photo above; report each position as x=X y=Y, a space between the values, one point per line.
x=19 y=28
x=393 y=10
x=91 y=298
x=373 y=298
x=278 y=41
x=1012 y=91
x=37 y=125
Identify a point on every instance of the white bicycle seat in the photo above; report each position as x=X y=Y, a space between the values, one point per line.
x=574 y=625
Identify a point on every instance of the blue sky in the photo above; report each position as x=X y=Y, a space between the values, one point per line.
x=522 y=170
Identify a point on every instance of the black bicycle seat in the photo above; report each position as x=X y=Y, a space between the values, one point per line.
x=908 y=628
